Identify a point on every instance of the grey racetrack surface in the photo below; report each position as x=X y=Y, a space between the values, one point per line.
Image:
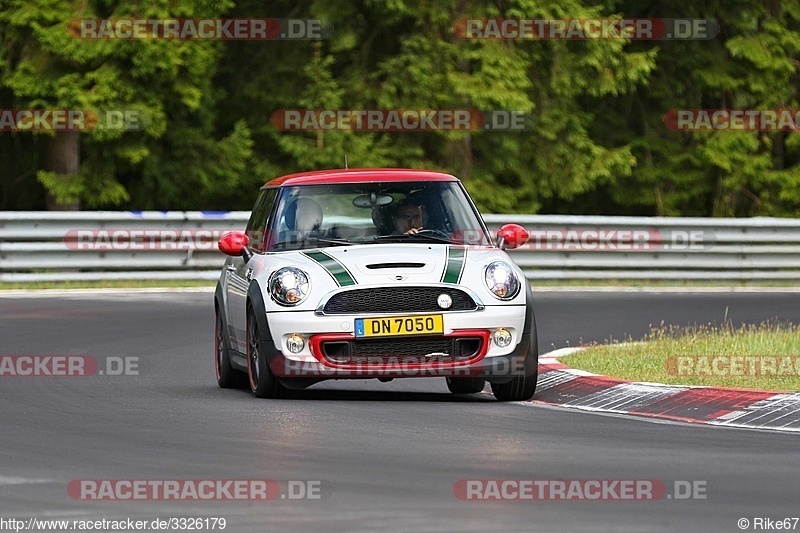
x=389 y=454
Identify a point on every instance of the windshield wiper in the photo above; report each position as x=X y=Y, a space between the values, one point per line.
x=412 y=236
x=318 y=240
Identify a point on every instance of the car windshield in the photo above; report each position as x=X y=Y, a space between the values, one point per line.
x=315 y=216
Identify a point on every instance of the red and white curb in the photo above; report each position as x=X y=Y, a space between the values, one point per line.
x=569 y=387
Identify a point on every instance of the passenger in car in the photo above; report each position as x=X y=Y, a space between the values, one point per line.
x=303 y=217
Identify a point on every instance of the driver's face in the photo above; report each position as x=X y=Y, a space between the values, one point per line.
x=408 y=216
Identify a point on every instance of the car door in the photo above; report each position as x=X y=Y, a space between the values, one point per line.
x=238 y=270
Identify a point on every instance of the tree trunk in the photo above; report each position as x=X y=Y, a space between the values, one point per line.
x=64 y=158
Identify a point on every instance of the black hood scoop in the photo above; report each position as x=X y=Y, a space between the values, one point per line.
x=376 y=266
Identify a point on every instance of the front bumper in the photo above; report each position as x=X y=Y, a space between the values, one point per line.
x=497 y=365
x=283 y=324
x=498 y=368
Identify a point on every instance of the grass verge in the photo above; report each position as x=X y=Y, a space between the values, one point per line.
x=657 y=283
x=765 y=357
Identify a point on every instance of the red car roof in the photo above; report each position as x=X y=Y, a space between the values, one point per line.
x=359 y=175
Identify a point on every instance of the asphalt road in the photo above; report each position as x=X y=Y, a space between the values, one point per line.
x=388 y=455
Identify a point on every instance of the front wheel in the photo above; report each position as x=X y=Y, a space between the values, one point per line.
x=465 y=385
x=520 y=388
x=263 y=382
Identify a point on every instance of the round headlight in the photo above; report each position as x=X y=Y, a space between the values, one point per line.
x=501 y=280
x=289 y=286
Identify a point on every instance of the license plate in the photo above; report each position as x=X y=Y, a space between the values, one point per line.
x=399 y=325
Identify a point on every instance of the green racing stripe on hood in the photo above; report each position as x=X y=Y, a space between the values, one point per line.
x=335 y=268
x=454 y=266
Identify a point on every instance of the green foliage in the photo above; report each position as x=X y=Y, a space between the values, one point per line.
x=751 y=64
x=326 y=149
x=165 y=82
x=595 y=140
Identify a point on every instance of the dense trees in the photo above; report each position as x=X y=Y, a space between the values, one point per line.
x=596 y=141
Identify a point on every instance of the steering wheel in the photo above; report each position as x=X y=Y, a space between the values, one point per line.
x=431 y=231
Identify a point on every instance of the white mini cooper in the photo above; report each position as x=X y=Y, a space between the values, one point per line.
x=374 y=273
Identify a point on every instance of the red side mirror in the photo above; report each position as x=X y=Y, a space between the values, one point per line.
x=233 y=243
x=511 y=236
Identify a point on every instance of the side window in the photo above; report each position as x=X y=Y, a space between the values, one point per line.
x=256 y=227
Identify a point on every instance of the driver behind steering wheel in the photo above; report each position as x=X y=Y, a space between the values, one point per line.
x=408 y=218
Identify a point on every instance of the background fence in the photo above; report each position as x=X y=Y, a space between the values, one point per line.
x=50 y=246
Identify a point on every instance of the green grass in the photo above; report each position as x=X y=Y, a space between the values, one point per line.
x=111 y=284
x=650 y=284
x=687 y=356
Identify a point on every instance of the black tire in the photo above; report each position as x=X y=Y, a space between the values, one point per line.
x=520 y=388
x=465 y=385
x=227 y=376
x=263 y=382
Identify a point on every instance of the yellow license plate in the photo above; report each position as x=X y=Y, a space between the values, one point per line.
x=399 y=325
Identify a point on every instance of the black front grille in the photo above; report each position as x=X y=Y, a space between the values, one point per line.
x=402 y=350
x=397 y=300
